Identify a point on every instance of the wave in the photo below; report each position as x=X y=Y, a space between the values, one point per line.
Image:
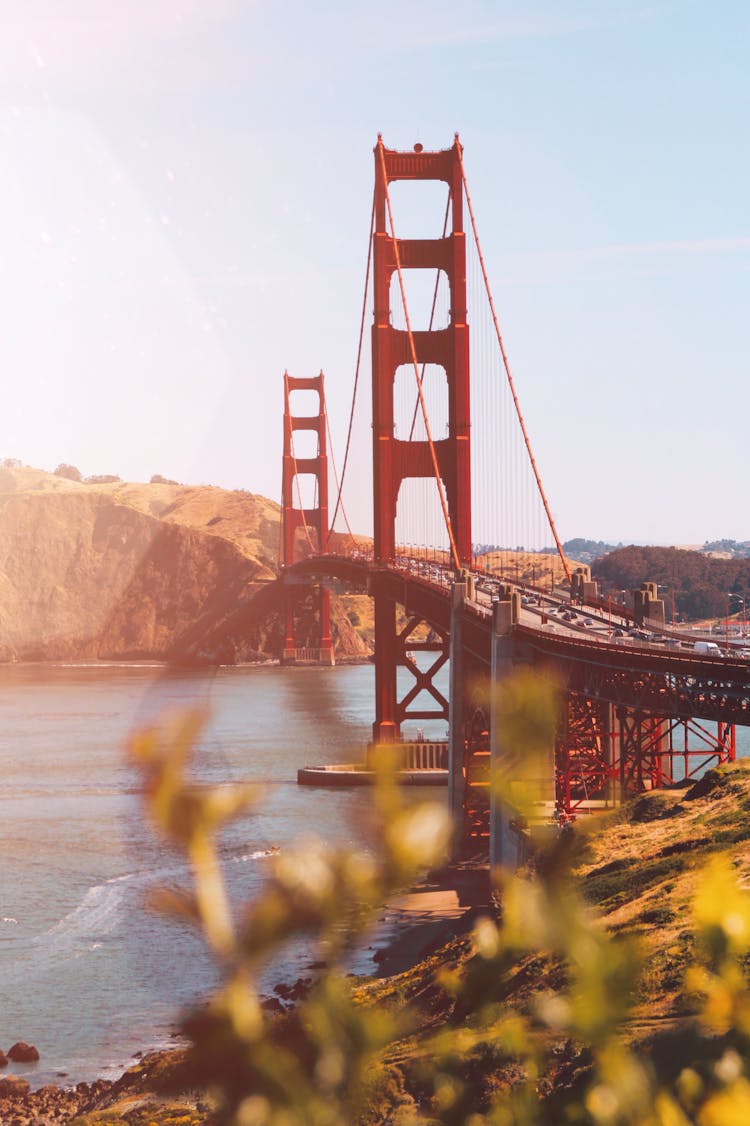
x=260 y=854
x=97 y=915
x=107 y=904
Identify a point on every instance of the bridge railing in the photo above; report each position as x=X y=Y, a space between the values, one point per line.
x=421 y=754
x=310 y=655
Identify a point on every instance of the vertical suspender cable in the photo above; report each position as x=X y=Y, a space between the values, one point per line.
x=506 y=364
x=359 y=359
x=338 y=484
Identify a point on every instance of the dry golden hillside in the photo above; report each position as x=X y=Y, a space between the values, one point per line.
x=119 y=571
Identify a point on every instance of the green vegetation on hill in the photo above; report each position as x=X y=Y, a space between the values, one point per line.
x=700 y=584
x=738 y=550
x=587 y=550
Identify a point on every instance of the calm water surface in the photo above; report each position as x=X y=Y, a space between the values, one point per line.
x=86 y=973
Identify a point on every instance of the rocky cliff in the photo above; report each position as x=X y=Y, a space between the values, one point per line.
x=118 y=571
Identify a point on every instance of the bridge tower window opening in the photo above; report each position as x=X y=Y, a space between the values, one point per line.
x=421 y=207
x=428 y=299
x=306 y=539
x=306 y=444
x=306 y=402
x=408 y=421
x=419 y=521
x=306 y=492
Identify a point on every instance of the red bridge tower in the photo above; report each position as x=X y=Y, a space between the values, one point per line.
x=312 y=522
x=396 y=460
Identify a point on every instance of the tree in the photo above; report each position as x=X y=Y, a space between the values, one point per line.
x=68 y=471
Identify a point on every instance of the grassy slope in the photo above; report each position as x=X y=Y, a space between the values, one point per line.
x=637 y=868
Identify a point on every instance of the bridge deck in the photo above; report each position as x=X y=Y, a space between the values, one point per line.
x=663 y=682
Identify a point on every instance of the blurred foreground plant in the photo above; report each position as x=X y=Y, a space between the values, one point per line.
x=314 y=1065
x=329 y=1061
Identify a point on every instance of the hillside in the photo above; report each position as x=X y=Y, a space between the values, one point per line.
x=699 y=585
x=638 y=869
x=538 y=568
x=119 y=571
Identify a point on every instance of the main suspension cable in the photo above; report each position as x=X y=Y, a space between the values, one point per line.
x=338 y=484
x=506 y=364
x=415 y=363
x=357 y=368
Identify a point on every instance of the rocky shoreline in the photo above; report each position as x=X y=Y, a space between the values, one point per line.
x=20 y=1106
x=422 y=920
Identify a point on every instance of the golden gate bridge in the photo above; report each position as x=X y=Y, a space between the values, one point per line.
x=453 y=468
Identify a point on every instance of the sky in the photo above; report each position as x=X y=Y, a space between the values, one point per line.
x=184 y=214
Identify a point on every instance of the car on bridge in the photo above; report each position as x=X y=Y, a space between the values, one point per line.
x=707 y=648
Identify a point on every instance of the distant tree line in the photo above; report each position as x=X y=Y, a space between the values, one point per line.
x=733 y=547
x=587 y=550
x=702 y=586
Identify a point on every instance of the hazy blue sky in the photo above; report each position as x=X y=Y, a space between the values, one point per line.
x=185 y=201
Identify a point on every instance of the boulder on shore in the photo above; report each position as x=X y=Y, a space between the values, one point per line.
x=21 y=1052
x=13 y=1085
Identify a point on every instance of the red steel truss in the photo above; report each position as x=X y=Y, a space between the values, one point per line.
x=396 y=460
x=312 y=522
x=606 y=753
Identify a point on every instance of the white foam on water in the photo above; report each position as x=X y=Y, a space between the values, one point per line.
x=262 y=854
x=96 y=916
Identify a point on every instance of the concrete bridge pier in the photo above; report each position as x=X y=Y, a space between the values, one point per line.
x=507 y=845
x=456 y=712
x=648 y=608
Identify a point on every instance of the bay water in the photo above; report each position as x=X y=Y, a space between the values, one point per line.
x=87 y=973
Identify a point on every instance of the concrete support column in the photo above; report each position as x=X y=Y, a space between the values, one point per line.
x=456 y=779
x=506 y=846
